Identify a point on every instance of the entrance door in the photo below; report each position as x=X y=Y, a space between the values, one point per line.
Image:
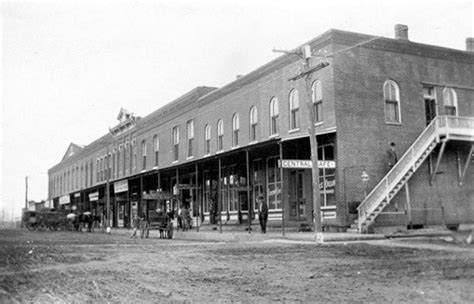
x=297 y=195
x=430 y=104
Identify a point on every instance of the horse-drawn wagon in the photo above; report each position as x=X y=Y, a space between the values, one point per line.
x=161 y=221
x=45 y=219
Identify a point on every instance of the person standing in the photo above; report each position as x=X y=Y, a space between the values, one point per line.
x=135 y=224
x=262 y=213
x=392 y=156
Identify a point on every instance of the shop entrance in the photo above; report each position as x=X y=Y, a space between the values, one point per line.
x=297 y=195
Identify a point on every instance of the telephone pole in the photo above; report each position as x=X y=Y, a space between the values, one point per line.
x=306 y=73
x=26 y=192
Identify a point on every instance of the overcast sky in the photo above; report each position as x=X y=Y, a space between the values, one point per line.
x=69 y=66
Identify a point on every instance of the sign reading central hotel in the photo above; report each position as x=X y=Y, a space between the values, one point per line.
x=307 y=164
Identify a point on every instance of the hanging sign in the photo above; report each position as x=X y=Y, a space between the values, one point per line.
x=94 y=196
x=121 y=186
x=65 y=199
x=306 y=164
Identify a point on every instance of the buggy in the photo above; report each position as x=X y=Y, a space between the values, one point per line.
x=161 y=221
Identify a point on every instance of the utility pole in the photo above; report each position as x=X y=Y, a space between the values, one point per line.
x=26 y=192
x=107 y=188
x=306 y=73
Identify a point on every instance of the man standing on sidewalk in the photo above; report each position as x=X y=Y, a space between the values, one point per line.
x=262 y=213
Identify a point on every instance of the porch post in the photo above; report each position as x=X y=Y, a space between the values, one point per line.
x=219 y=207
x=196 y=176
x=282 y=196
x=249 y=202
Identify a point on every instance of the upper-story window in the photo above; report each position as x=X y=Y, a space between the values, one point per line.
x=207 y=139
x=391 y=95
x=274 y=112
x=175 y=143
x=156 y=146
x=134 y=158
x=317 y=101
x=294 y=109
x=143 y=154
x=235 y=130
x=190 y=129
x=450 y=101
x=220 y=135
x=253 y=123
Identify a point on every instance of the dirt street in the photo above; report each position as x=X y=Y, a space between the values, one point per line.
x=99 y=268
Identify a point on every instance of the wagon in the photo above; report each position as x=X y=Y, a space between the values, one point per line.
x=161 y=221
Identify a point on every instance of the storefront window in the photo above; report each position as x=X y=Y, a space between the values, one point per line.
x=273 y=184
x=327 y=176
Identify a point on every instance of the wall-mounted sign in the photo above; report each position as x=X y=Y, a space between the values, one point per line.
x=94 y=196
x=63 y=200
x=121 y=186
x=306 y=164
x=78 y=194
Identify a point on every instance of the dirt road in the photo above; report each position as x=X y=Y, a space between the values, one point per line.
x=99 y=268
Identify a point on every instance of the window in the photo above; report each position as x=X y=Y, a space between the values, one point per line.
x=190 y=129
x=327 y=176
x=175 y=143
x=450 y=101
x=253 y=123
x=274 y=195
x=207 y=139
x=294 y=109
x=220 y=135
x=143 y=154
x=317 y=101
x=391 y=95
x=235 y=130
x=156 y=146
x=274 y=112
x=134 y=158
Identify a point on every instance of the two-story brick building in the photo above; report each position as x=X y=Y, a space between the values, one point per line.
x=216 y=149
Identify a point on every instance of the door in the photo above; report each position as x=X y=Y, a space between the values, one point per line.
x=430 y=104
x=297 y=195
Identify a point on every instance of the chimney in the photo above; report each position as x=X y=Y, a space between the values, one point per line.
x=470 y=44
x=401 y=32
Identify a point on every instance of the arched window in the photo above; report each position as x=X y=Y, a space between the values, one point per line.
x=253 y=123
x=317 y=101
x=176 y=143
x=220 y=135
x=391 y=95
x=156 y=146
x=294 y=102
x=235 y=130
x=190 y=129
x=450 y=101
x=274 y=112
x=143 y=154
x=207 y=139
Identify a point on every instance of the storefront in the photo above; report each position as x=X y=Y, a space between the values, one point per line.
x=122 y=205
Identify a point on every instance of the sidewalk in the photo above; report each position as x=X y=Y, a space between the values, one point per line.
x=244 y=236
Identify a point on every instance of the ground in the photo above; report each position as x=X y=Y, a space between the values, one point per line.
x=98 y=268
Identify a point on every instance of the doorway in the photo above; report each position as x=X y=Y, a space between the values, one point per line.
x=430 y=104
x=297 y=195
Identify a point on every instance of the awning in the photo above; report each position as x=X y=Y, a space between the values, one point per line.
x=306 y=134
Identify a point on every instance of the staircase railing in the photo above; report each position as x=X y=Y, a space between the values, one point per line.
x=441 y=125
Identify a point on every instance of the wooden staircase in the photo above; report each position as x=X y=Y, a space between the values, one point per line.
x=441 y=129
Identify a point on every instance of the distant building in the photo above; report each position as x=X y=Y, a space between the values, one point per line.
x=216 y=150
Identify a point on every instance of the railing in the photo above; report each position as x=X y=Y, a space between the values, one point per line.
x=441 y=125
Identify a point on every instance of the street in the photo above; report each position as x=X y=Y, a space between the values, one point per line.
x=98 y=268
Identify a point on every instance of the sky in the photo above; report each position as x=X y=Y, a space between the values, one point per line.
x=69 y=66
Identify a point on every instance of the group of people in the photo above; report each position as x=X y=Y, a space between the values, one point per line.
x=139 y=223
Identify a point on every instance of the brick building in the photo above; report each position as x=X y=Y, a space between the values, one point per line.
x=215 y=150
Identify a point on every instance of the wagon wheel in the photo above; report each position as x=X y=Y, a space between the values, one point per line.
x=29 y=226
x=170 y=230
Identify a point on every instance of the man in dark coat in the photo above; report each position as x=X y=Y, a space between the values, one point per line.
x=262 y=213
x=392 y=156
